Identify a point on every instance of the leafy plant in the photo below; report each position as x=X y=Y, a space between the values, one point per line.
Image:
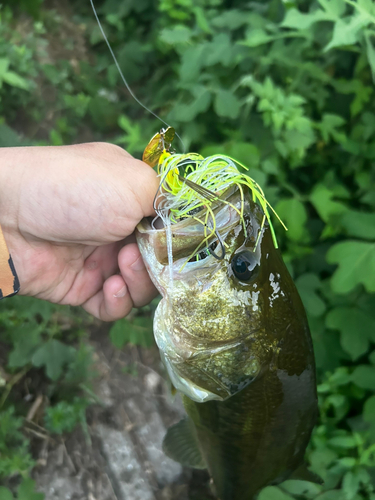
x=287 y=88
x=64 y=416
x=14 y=455
x=136 y=331
x=25 y=491
x=32 y=333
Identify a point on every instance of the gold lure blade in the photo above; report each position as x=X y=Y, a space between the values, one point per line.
x=160 y=142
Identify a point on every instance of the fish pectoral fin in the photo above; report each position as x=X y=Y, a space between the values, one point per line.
x=181 y=444
x=305 y=474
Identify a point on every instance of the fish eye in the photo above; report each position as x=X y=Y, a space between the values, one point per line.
x=245 y=266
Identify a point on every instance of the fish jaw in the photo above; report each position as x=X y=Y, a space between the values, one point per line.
x=209 y=331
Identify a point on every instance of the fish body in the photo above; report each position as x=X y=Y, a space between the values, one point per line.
x=234 y=338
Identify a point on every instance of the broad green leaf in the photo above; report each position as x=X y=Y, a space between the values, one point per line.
x=177 y=34
x=362 y=93
x=231 y=19
x=364 y=376
x=192 y=61
x=26 y=491
x=297 y=20
x=320 y=459
x=80 y=368
x=202 y=22
x=334 y=8
x=293 y=213
x=307 y=285
x=371 y=52
x=137 y=331
x=187 y=112
x=273 y=493
x=4 y=65
x=330 y=495
x=219 y=51
x=117 y=333
x=244 y=152
x=350 y=485
x=357 y=329
x=298 y=487
x=322 y=199
x=359 y=224
x=356 y=261
x=369 y=410
x=53 y=355
x=367 y=6
x=329 y=125
x=256 y=37
x=298 y=141
x=343 y=442
x=347 y=32
x=32 y=308
x=5 y=494
x=226 y=104
x=348 y=462
x=15 y=80
x=328 y=350
x=28 y=340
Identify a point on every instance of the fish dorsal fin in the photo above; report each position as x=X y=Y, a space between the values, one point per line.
x=181 y=444
x=304 y=474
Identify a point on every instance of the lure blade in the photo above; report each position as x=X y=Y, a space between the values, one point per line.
x=160 y=142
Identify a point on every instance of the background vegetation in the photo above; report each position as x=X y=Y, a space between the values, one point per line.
x=285 y=86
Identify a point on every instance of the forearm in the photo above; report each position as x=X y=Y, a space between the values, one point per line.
x=12 y=161
x=9 y=192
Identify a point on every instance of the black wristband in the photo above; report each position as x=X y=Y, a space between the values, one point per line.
x=9 y=283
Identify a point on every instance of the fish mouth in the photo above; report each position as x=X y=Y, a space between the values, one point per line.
x=192 y=239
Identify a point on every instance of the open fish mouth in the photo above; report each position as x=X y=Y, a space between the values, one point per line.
x=205 y=232
x=193 y=238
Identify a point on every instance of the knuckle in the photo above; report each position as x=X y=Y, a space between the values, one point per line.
x=106 y=149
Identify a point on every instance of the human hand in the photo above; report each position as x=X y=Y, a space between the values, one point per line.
x=68 y=214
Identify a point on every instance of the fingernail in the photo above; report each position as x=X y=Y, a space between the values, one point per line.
x=121 y=292
x=138 y=265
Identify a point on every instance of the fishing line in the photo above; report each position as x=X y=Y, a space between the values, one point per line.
x=123 y=77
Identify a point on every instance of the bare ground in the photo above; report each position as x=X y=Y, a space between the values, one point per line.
x=119 y=456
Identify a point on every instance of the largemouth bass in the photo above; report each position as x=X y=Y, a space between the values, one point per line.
x=234 y=337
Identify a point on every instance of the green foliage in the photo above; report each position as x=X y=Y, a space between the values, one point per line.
x=32 y=333
x=356 y=260
x=25 y=491
x=53 y=355
x=287 y=88
x=64 y=416
x=135 y=331
x=32 y=329
x=14 y=455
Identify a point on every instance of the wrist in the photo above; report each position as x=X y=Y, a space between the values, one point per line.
x=10 y=174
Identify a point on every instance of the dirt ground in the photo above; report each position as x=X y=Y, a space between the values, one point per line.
x=120 y=457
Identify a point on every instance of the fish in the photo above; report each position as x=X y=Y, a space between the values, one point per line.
x=234 y=338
